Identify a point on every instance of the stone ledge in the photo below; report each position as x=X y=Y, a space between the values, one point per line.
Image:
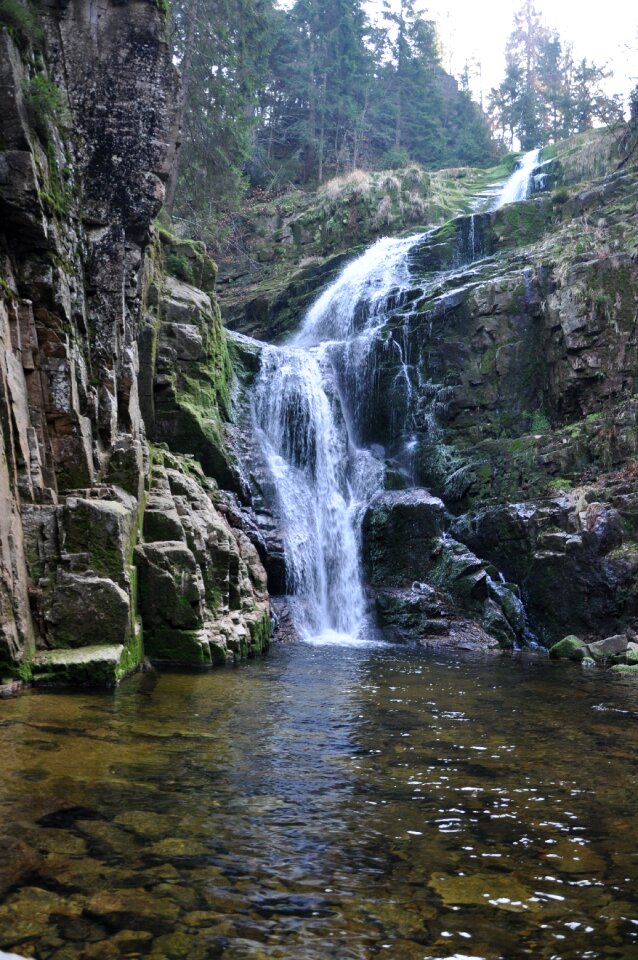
x=95 y=666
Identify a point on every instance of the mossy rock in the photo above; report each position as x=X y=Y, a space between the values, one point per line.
x=183 y=647
x=260 y=631
x=188 y=261
x=569 y=648
x=95 y=666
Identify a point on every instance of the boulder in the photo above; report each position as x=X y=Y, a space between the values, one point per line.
x=102 y=532
x=609 y=647
x=570 y=648
x=400 y=530
x=87 y=666
x=83 y=610
x=410 y=614
x=170 y=585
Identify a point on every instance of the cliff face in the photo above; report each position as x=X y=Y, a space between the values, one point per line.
x=99 y=351
x=525 y=417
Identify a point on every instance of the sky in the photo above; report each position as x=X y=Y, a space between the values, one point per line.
x=478 y=29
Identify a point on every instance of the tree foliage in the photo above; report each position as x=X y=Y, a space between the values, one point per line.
x=271 y=96
x=545 y=94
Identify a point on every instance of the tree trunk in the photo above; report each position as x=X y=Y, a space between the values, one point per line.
x=322 y=127
x=171 y=186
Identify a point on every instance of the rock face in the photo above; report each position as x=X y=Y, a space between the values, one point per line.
x=523 y=414
x=202 y=587
x=425 y=584
x=101 y=350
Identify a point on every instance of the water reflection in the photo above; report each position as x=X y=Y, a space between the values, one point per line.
x=327 y=802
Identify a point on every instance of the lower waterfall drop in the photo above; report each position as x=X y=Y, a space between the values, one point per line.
x=311 y=406
x=305 y=407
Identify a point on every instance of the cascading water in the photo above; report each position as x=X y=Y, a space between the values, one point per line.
x=518 y=186
x=311 y=404
x=306 y=405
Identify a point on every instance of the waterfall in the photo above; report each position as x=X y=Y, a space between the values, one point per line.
x=518 y=185
x=307 y=405
x=314 y=405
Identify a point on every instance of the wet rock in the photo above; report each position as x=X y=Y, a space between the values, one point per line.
x=87 y=666
x=570 y=648
x=102 y=532
x=66 y=605
x=399 y=529
x=632 y=653
x=609 y=647
x=170 y=585
x=17 y=860
x=175 y=946
x=203 y=598
x=484 y=889
x=410 y=614
x=133 y=907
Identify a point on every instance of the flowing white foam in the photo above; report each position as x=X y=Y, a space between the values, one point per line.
x=305 y=403
x=358 y=296
x=518 y=186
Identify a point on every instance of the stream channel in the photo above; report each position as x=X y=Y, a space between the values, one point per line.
x=329 y=801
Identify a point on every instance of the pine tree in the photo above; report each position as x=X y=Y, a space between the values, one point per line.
x=544 y=95
x=221 y=47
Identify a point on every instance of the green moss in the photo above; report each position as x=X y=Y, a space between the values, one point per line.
x=259 y=635
x=95 y=666
x=21 y=21
x=56 y=196
x=16 y=669
x=45 y=103
x=180 y=267
x=5 y=290
x=179 y=647
x=133 y=651
x=187 y=260
x=570 y=648
x=521 y=224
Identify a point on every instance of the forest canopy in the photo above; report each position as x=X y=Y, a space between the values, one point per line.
x=274 y=97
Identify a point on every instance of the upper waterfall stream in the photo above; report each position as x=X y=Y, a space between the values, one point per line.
x=311 y=404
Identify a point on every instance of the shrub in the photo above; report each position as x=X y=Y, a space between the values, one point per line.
x=560 y=196
x=16 y=15
x=45 y=102
x=394 y=158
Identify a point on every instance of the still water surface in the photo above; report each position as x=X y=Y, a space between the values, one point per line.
x=327 y=802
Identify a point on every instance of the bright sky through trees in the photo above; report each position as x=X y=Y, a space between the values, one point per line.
x=478 y=31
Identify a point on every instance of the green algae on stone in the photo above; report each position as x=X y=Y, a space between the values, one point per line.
x=189 y=647
x=571 y=648
x=91 y=666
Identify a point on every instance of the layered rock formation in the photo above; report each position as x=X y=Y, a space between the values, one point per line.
x=102 y=351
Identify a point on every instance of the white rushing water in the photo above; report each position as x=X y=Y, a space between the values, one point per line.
x=518 y=186
x=312 y=402
x=305 y=405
